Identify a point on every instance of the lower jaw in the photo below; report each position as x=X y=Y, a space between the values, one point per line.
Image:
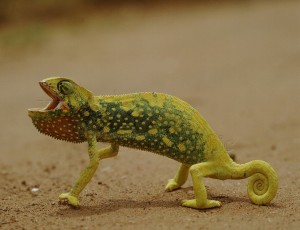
x=38 y=114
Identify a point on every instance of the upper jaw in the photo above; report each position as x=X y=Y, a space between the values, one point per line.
x=51 y=93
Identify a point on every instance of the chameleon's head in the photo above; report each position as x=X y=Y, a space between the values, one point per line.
x=66 y=95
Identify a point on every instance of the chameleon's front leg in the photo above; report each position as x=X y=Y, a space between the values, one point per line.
x=86 y=175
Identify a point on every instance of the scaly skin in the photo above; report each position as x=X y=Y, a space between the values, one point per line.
x=154 y=122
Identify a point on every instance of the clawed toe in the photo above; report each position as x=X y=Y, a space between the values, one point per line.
x=202 y=205
x=171 y=185
x=69 y=199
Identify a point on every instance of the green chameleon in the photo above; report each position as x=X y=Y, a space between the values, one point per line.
x=154 y=122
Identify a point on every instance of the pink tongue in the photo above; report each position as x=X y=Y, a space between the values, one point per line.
x=62 y=105
x=52 y=104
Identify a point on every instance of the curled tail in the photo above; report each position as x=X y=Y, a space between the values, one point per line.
x=263 y=183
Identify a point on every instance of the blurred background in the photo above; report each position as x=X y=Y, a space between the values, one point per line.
x=237 y=62
x=228 y=56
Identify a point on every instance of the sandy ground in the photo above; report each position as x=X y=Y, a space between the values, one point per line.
x=237 y=64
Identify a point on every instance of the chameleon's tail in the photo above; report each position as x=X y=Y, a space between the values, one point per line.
x=263 y=182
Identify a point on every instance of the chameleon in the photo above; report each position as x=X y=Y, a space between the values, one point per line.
x=149 y=121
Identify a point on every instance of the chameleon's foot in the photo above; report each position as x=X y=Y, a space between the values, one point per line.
x=172 y=185
x=71 y=200
x=207 y=204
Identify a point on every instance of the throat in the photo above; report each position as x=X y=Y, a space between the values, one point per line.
x=60 y=125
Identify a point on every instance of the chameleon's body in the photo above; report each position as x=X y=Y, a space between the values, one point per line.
x=153 y=122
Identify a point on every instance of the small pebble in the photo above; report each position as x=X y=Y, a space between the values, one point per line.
x=34 y=190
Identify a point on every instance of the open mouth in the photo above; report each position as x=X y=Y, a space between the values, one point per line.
x=56 y=103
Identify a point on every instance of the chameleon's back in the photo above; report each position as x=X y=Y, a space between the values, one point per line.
x=154 y=122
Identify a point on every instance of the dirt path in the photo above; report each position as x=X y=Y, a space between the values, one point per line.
x=237 y=64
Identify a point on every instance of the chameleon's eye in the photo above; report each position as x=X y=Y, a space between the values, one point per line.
x=65 y=87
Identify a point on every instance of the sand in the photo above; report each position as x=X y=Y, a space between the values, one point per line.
x=238 y=64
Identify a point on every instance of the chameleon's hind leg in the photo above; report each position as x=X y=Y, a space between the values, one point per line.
x=86 y=175
x=179 y=179
x=198 y=171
